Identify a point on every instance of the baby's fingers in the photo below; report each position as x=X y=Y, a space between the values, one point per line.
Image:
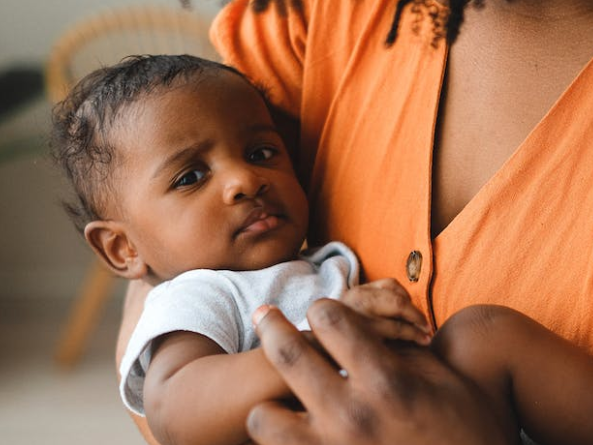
x=399 y=330
x=386 y=298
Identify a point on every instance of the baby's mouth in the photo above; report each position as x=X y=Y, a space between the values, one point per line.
x=258 y=221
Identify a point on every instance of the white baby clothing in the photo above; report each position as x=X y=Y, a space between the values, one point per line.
x=219 y=305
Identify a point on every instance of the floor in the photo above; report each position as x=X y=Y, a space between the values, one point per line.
x=41 y=403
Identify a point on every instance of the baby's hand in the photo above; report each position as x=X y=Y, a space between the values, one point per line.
x=390 y=311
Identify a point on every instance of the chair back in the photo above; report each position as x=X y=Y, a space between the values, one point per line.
x=108 y=37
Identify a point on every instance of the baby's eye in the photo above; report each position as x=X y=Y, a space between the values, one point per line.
x=261 y=154
x=190 y=178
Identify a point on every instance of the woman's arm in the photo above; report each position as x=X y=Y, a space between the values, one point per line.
x=195 y=394
x=525 y=369
x=133 y=305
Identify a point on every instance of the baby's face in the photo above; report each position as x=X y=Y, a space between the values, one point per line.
x=206 y=181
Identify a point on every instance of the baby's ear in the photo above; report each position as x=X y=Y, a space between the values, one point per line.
x=110 y=241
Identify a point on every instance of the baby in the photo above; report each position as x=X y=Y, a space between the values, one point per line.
x=183 y=181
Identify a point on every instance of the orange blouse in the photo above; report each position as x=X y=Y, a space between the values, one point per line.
x=368 y=114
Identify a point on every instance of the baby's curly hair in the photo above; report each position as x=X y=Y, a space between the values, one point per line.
x=80 y=142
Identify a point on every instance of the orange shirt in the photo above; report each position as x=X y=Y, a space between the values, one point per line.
x=368 y=114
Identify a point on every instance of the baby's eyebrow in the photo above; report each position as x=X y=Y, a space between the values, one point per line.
x=263 y=128
x=181 y=155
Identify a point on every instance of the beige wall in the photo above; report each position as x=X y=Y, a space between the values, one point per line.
x=28 y=27
x=41 y=255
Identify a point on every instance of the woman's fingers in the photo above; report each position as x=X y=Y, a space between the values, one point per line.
x=346 y=336
x=297 y=360
x=399 y=330
x=273 y=423
x=392 y=393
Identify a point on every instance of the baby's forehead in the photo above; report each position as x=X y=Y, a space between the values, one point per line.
x=218 y=94
x=212 y=75
x=211 y=87
x=199 y=84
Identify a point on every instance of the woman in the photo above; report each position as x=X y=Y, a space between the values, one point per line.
x=457 y=163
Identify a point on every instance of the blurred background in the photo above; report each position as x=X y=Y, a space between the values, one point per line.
x=43 y=261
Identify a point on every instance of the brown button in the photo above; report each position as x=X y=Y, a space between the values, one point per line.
x=414 y=265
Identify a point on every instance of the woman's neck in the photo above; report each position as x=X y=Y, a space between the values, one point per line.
x=543 y=10
x=560 y=23
x=537 y=10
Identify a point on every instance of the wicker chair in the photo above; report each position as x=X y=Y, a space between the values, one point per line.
x=104 y=39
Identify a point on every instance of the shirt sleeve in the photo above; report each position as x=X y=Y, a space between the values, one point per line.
x=200 y=301
x=268 y=46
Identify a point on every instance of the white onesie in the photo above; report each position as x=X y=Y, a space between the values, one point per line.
x=219 y=305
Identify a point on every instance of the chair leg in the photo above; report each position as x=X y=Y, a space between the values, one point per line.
x=84 y=315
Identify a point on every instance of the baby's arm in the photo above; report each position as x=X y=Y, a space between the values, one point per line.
x=194 y=393
x=535 y=379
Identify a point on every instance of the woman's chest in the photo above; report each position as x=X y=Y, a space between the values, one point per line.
x=493 y=98
x=519 y=193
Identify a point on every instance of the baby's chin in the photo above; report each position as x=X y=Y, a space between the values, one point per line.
x=256 y=257
x=264 y=263
x=262 y=258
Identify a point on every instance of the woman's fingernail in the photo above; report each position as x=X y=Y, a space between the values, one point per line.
x=260 y=313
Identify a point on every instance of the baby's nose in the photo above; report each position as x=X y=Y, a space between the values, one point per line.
x=244 y=184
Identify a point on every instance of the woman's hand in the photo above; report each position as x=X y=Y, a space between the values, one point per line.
x=392 y=394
